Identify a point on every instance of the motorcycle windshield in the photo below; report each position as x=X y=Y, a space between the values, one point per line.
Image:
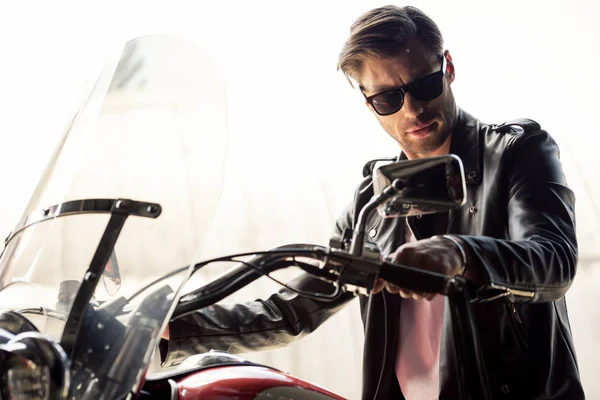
x=141 y=162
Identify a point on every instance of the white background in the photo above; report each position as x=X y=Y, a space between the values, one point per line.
x=292 y=113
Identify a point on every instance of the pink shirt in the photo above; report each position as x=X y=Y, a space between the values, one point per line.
x=418 y=358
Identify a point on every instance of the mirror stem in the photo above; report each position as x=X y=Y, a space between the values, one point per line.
x=358 y=235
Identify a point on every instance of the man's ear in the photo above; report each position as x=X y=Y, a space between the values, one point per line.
x=450 y=71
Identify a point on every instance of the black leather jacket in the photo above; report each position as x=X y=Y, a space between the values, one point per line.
x=519 y=225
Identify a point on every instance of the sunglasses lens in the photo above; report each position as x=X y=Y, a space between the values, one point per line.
x=427 y=88
x=388 y=102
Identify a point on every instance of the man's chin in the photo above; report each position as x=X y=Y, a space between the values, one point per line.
x=426 y=145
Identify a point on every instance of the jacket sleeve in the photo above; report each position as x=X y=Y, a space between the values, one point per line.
x=251 y=326
x=539 y=261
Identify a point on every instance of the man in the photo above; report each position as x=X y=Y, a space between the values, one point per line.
x=515 y=239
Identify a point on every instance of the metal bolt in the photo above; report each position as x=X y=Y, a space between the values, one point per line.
x=373 y=232
x=472 y=175
x=473 y=210
x=89 y=276
x=151 y=209
x=46 y=212
x=122 y=204
x=419 y=216
x=456 y=286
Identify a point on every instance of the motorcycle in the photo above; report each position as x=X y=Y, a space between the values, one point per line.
x=84 y=291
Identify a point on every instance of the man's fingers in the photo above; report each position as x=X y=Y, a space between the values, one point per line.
x=392 y=288
x=378 y=286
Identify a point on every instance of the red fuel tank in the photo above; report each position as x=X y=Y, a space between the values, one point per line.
x=248 y=382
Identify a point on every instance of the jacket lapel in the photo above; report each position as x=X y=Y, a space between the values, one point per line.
x=466 y=145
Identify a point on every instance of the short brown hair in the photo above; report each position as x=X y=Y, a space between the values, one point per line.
x=383 y=32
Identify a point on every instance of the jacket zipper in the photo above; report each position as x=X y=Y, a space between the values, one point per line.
x=498 y=292
x=517 y=325
x=514 y=292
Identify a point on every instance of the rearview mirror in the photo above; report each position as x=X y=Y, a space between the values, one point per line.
x=423 y=186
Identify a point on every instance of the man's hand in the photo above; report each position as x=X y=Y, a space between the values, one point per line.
x=437 y=254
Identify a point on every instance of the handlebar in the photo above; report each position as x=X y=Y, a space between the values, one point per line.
x=228 y=283
x=351 y=273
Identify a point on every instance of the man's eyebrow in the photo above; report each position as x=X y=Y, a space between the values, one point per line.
x=378 y=89
x=383 y=88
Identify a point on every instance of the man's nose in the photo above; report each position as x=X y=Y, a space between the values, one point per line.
x=412 y=108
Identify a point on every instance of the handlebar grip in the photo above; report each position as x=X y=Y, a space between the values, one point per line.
x=415 y=279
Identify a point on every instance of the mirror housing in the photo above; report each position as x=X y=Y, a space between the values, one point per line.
x=422 y=186
x=412 y=187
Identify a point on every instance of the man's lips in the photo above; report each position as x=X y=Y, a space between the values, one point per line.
x=422 y=130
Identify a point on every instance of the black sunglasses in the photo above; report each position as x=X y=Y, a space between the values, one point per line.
x=423 y=89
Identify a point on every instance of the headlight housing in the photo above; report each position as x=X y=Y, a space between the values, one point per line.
x=33 y=367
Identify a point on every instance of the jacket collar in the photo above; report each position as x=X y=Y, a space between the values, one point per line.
x=466 y=145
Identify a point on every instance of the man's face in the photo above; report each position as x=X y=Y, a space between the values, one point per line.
x=422 y=128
